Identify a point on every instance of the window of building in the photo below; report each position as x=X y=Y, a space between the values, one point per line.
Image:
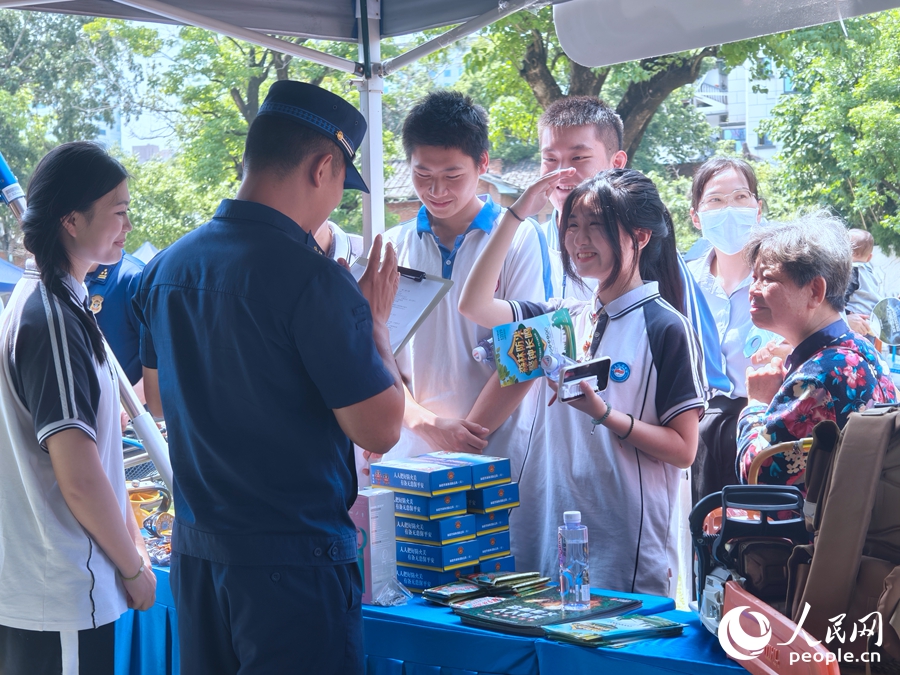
x=763 y=141
x=788 y=79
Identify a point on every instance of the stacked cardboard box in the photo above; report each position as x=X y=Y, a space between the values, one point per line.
x=452 y=515
x=373 y=515
x=435 y=536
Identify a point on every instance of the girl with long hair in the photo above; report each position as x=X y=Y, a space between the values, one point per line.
x=616 y=456
x=72 y=558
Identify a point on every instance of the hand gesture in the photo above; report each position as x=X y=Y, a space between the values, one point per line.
x=380 y=281
x=590 y=404
x=371 y=458
x=537 y=194
x=773 y=349
x=455 y=435
x=859 y=323
x=763 y=384
x=141 y=592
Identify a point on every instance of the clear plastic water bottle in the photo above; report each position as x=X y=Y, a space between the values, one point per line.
x=574 y=579
x=484 y=352
x=553 y=363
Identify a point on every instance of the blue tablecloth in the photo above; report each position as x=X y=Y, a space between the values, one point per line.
x=147 y=642
x=420 y=639
x=697 y=652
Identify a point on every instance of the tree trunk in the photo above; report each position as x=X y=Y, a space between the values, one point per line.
x=585 y=81
x=282 y=63
x=535 y=71
x=642 y=99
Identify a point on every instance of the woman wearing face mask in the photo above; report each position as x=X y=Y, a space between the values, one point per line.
x=725 y=207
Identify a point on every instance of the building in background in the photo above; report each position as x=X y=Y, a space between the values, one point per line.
x=110 y=135
x=736 y=104
x=147 y=152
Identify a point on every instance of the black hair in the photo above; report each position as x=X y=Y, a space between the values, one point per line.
x=627 y=198
x=713 y=167
x=279 y=145
x=582 y=111
x=447 y=119
x=70 y=178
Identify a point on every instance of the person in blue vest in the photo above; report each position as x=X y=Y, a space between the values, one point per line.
x=272 y=362
x=110 y=290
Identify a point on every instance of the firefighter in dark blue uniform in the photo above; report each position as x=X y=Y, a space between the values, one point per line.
x=271 y=363
x=110 y=290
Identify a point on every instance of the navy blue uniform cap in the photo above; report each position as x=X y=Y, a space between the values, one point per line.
x=322 y=111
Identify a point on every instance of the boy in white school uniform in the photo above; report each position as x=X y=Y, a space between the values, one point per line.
x=453 y=402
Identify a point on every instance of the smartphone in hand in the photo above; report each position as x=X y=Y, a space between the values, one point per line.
x=595 y=372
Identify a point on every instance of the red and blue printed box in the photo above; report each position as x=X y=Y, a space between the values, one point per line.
x=438 y=558
x=418 y=580
x=437 y=532
x=493 y=545
x=486 y=471
x=417 y=477
x=495 y=521
x=494 y=498
x=505 y=564
x=429 y=508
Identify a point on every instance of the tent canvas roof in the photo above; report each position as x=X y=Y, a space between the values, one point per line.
x=592 y=32
x=306 y=18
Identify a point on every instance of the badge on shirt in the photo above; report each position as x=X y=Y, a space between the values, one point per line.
x=103 y=274
x=97 y=302
x=619 y=372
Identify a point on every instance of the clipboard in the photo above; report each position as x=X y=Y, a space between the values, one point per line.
x=417 y=296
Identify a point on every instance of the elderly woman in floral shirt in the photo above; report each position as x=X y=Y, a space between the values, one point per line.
x=800 y=273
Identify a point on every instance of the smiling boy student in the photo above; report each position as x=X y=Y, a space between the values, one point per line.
x=584 y=133
x=453 y=402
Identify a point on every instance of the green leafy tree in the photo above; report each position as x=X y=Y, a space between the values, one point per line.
x=519 y=67
x=61 y=77
x=841 y=129
x=211 y=93
x=165 y=201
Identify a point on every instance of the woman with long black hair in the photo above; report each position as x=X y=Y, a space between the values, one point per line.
x=72 y=558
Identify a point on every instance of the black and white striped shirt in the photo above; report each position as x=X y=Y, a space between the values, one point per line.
x=53 y=576
x=628 y=499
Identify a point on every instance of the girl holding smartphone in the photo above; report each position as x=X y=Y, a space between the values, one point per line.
x=617 y=456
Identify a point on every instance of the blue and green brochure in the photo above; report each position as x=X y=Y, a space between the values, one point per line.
x=519 y=346
x=614 y=631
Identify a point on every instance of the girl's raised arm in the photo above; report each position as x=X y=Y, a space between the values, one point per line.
x=477 y=302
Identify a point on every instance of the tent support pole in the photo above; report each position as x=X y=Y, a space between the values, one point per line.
x=370 y=91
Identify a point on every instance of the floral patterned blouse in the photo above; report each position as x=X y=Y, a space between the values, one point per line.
x=832 y=373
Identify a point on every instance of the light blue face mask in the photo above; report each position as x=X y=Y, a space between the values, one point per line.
x=728 y=229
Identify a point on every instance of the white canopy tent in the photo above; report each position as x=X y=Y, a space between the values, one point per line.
x=601 y=32
x=592 y=32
